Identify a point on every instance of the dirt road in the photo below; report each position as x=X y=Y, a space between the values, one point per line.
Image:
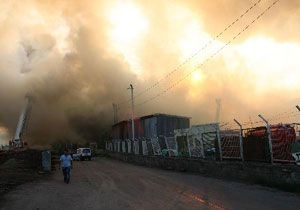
x=109 y=184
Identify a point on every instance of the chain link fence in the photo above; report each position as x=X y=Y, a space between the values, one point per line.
x=231 y=144
x=208 y=142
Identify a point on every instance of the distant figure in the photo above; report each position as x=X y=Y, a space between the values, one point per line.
x=66 y=161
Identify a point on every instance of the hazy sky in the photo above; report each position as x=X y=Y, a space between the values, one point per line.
x=78 y=57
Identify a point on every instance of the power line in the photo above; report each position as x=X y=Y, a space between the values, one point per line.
x=283 y=115
x=204 y=47
x=212 y=55
x=287 y=116
x=274 y=119
x=196 y=53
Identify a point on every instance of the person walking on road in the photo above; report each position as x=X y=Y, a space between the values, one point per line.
x=65 y=161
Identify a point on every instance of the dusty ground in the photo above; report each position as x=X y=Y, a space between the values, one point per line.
x=18 y=168
x=110 y=184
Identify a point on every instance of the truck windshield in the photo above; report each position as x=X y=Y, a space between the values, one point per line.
x=86 y=150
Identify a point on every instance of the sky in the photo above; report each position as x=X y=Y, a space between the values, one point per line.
x=77 y=58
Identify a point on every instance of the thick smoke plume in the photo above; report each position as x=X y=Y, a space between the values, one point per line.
x=56 y=52
x=77 y=58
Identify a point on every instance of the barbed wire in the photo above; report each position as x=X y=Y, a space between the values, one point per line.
x=282 y=115
x=271 y=120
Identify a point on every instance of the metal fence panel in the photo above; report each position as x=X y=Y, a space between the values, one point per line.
x=205 y=140
x=123 y=147
x=46 y=160
x=144 y=146
x=107 y=145
x=115 y=145
x=155 y=146
x=296 y=152
x=136 y=147
x=230 y=144
x=172 y=146
x=119 y=146
x=149 y=146
x=182 y=142
x=195 y=145
x=209 y=144
x=128 y=146
x=162 y=142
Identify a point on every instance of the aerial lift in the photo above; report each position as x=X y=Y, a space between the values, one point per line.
x=18 y=140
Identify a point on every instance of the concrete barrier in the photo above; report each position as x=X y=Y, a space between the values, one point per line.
x=284 y=177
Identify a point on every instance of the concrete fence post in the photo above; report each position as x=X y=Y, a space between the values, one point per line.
x=219 y=142
x=269 y=137
x=189 y=141
x=241 y=138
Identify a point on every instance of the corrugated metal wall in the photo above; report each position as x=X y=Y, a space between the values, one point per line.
x=167 y=124
x=150 y=126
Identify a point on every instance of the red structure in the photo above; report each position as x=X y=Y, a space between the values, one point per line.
x=283 y=136
x=255 y=143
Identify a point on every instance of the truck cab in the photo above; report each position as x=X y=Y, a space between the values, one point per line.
x=83 y=154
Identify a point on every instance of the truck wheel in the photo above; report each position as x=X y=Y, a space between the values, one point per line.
x=90 y=158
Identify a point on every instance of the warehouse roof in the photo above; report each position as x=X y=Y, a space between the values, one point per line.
x=160 y=114
x=152 y=115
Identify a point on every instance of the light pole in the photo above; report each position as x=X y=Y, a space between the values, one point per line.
x=132 y=110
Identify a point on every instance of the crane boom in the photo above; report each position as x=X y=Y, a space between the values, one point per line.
x=22 y=123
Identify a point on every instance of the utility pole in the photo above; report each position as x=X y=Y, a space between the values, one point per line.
x=269 y=137
x=132 y=110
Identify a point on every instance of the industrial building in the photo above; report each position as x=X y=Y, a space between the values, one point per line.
x=150 y=126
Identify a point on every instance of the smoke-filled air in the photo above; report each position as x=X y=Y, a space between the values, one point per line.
x=77 y=57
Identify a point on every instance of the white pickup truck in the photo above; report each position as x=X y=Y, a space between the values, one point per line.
x=83 y=154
